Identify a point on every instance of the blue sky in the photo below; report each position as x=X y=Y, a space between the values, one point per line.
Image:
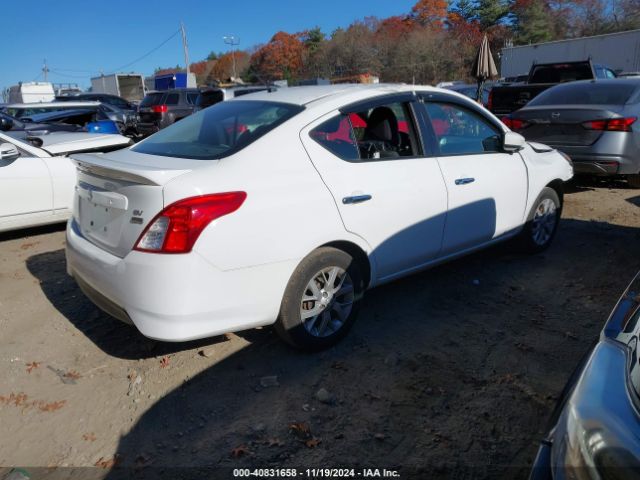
x=80 y=38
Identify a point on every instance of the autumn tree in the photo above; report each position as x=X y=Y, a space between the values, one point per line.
x=430 y=12
x=533 y=21
x=279 y=59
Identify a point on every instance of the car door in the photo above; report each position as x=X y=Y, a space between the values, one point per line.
x=386 y=189
x=487 y=187
x=63 y=180
x=25 y=187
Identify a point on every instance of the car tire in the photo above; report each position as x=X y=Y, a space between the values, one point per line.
x=321 y=301
x=542 y=222
x=633 y=180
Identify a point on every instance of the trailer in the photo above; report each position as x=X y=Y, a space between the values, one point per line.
x=619 y=51
x=129 y=86
x=31 y=92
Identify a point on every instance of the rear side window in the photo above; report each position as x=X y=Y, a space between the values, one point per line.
x=383 y=132
x=219 y=131
x=561 y=73
x=590 y=93
x=172 y=99
x=191 y=98
x=152 y=99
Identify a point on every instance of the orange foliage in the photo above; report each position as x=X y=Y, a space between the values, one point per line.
x=280 y=58
x=396 y=27
x=430 y=12
x=468 y=32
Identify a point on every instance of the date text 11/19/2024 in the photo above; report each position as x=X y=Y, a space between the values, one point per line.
x=314 y=473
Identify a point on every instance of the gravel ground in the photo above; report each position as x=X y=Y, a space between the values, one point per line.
x=449 y=373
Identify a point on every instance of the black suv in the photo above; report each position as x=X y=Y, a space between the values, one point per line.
x=160 y=109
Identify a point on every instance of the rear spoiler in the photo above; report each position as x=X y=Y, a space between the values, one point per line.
x=98 y=164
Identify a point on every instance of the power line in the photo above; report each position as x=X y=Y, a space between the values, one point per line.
x=148 y=53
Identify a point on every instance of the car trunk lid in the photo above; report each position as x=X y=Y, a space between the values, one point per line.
x=564 y=125
x=118 y=194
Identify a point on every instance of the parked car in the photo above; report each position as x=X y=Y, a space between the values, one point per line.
x=594 y=430
x=210 y=96
x=77 y=113
x=508 y=98
x=286 y=206
x=594 y=122
x=15 y=127
x=37 y=178
x=161 y=109
x=107 y=98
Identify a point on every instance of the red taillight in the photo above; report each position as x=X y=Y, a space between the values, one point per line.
x=176 y=228
x=490 y=100
x=611 y=125
x=514 y=123
x=159 y=108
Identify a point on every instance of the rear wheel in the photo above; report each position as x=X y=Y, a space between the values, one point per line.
x=542 y=222
x=321 y=301
x=634 y=180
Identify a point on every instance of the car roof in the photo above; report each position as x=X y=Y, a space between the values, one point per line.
x=604 y=81
x=323 y=93
x=63 y=104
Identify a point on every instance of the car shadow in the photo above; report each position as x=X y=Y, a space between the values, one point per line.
x=32 y=231
x=446 y=373
x=584 y=183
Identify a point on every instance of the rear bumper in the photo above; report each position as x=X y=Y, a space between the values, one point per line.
x=147 y=128
x=176 y=297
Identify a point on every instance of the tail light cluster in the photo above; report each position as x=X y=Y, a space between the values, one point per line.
x=159 y=108
x=490 y=100
x=514 y=123
x=176 y=228
x=611 y=125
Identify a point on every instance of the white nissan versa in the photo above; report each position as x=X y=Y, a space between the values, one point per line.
x=284 y=207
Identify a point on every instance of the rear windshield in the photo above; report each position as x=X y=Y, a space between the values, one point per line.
x=585 y=94
x=218 y=131
x=208 y=98
x=559 y=73
x=152 y=99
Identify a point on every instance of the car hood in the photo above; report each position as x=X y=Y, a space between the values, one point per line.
x=57 y=143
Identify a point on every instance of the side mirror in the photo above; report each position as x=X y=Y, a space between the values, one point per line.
x=8 y=151
x=512 y=142
x=6 y=124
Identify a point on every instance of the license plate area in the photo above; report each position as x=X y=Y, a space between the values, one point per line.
x=101 y=214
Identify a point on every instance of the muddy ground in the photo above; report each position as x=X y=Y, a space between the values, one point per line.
x=449 y=373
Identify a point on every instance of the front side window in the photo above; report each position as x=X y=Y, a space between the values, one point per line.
x=382 y=132
x=218 y=131
x=459 y=131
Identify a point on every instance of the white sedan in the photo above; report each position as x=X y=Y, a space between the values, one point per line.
x=284 y=207
x=37 y=183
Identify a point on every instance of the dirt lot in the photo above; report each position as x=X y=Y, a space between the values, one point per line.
x=449 y=373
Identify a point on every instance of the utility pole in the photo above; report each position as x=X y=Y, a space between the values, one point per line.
x=45 y=69
x=186 y=48
x=234 y=42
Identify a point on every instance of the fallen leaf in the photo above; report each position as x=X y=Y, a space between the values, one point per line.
x=274 y=442
x=89 y=437
x=72 y=374
x=109 y=462
x=32 y=365
x=301 y=430
x=313 y=442
x=239 y=451
x=338 y=366
x=164 y=362
x=51 y=406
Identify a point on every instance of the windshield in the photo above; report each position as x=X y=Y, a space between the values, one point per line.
x=218 y=131
x=590 y=93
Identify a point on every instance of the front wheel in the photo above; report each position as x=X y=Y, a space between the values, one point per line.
x=321 y=300
x=542 y=222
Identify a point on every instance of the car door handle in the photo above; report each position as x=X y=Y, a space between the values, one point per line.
x=465 y=181
x=356 y=199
